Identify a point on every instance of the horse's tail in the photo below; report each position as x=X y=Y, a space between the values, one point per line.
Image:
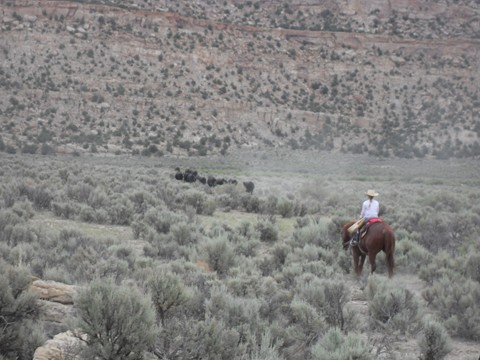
x=390 y=251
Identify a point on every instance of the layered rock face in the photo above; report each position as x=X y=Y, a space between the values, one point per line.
x=56 y=300
x=391 y=78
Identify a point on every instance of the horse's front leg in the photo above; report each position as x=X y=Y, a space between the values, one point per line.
x=362 y=261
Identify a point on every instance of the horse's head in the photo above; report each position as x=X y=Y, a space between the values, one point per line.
x=345 y=235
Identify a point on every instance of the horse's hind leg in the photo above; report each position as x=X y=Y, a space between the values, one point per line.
x=373 y=266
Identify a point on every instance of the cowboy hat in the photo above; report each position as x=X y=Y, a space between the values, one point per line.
x=371 y=193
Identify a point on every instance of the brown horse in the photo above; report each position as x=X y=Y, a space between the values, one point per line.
x=379 y=237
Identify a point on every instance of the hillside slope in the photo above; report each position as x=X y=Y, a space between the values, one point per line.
x=139 y=77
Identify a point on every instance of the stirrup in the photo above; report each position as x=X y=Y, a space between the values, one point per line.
x=355 y=239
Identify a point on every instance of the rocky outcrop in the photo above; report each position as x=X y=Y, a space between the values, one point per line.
x=55 y=312
x=55 y=305
x=62 y=346
x=54 y=291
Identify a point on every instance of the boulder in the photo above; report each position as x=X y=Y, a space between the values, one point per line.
x=55 y=312
x=53 y=291
x=30 y=18
x=63 y=346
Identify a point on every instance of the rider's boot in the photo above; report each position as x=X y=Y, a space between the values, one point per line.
x=355 y=238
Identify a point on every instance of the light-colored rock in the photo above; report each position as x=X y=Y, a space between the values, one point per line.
x=30 y=18
x=398 y=60
x=62 y=346
x=54 y=311
x=54 y=291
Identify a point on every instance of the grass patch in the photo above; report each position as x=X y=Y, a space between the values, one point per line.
x=89 y=229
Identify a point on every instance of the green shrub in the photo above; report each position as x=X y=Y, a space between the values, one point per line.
x=411 y=256
x=472 y=267
x=120 y=211
x=434 y=341
x=162 y=220
x=300 y=208
x=446 y=231
x=19 y=336
x=269 y=206
x=391 y=307
x=304 y=326
x=87 y=214
x=250 y=203
x=40 y=197
x=208 y=339
x=22 y=234
x=238 y=313
x=29 y=148
x=443 y=264
x=285 y=208
x=194 y=198
x=23 y=209
x=81 y=256
x=268 y=231
x=315 y=233
x=229 y=196
x=184 y=234
x=456 y=301
x=78 y=192
x=168 y=293
x=329 y=297
x=15 y=230
x=268 y=348
x=247 y=247
x=444 y=201
x=219 y=254
x=64 y=210
x=280 y=253
x=337 y=346
x=97 y=198
x=105 y=312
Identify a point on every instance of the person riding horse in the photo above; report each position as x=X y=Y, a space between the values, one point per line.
x=370 y=209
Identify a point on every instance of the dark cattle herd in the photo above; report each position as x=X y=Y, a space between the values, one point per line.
x=192 y=176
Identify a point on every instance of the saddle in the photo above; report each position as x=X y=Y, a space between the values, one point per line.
x=359 y=229
x=364 y=229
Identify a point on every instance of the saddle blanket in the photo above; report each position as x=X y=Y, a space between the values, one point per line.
x=373 y=220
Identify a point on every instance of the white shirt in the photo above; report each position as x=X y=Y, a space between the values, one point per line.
x=370 y=209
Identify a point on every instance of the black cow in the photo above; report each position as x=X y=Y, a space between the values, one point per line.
x=249 y=186
x=202 y=179
x=178 y=174
x=211 y=181
x=190 y=176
